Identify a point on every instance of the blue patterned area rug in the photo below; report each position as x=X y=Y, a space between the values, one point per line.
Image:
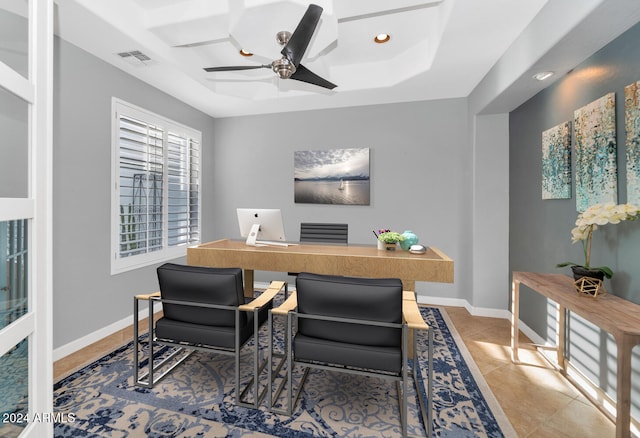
x=196 y=399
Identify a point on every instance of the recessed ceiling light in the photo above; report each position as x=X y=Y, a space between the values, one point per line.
x=543 y=75
x=382 y=38
x=244 y=52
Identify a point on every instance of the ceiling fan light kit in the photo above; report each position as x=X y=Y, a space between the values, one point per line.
x=295 y=45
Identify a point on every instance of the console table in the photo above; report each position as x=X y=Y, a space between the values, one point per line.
x=613 y=314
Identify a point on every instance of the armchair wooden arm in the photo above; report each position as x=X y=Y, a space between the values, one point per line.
x=148 y=296
x=412 y=316
x=274 y=288
x=290 y=304
x=408 y=295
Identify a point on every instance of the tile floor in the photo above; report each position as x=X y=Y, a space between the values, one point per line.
x=538 y=401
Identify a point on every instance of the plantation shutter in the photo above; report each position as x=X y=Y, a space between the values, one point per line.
x=183 y=163
x=155 y=207
x=141 y=170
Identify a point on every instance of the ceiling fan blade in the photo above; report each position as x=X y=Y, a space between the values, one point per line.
x=299 y=41
x=303 y=74
x=236 y=67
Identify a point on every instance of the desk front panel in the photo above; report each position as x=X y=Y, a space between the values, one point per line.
x=359 y=261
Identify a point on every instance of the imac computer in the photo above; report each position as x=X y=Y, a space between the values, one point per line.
x=261 y=226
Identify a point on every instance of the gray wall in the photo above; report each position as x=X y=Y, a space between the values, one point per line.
x=420 y=170
x=420 y=173
x=540 y=230
x=86 y=297
x=489 y=216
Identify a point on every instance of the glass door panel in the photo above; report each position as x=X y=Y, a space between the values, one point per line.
x=14 y=147
x=13 y=271
x=14 y=35
x=14 y=387
x=14 y=366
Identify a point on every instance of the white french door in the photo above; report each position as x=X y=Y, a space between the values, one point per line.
x=26 y=76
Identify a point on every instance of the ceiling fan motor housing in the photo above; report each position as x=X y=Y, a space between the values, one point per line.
x=283 y=67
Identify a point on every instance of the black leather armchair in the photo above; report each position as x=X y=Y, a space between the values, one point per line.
x=203 y=309
x=354 y=325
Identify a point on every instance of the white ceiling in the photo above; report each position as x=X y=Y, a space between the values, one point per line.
x=438 y=49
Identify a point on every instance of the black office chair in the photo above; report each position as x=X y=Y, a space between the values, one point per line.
x=324 y=233
x=330 y=234
x=355 y=325
x=204 y=309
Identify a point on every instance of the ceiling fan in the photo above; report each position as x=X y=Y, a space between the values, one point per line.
x=295 y=45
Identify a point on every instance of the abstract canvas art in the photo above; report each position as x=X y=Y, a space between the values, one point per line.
x=556 y=162
x=596 y=153
x=333 y=176
x=632 y=127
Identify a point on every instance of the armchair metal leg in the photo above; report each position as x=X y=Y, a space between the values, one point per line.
x=136 y=342
x=405 y=378
x=258 y=367
x=286 y=381
x=284 y=359
x=148 y=379
x=273 y=374
x=427 y=417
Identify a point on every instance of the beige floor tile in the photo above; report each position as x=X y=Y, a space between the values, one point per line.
x=580 y=419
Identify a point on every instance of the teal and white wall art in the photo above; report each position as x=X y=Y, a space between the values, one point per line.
x=596 y=153
x=632 y=125
x=556 y=162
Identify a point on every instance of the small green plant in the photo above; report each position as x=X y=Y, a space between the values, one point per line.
x=388 y=236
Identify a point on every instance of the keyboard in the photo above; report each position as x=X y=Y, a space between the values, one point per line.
x=271 y=243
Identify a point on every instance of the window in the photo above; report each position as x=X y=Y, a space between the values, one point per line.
x=156 y=175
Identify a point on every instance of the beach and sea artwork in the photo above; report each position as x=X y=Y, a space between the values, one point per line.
x=596 y=153
x=632 y=127
x=332 y=176
x=556 y=162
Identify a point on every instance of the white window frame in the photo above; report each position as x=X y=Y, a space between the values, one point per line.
x=167 y=252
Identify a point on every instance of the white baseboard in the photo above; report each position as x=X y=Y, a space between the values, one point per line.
x=96 y=336
x=457 y=302
x=104 y=332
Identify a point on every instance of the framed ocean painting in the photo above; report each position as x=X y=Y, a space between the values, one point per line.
x=332 y=176
x=632 y=127
x=596 y=153
x=556 y=162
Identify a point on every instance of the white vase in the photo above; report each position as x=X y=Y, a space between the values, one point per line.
x=383 y=246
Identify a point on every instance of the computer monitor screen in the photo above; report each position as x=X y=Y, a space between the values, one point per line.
x=261 y=224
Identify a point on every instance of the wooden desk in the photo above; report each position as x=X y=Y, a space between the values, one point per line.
x=613 y=314
x=353 y=260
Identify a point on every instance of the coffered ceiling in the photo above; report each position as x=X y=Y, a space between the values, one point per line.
x=437 y=48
